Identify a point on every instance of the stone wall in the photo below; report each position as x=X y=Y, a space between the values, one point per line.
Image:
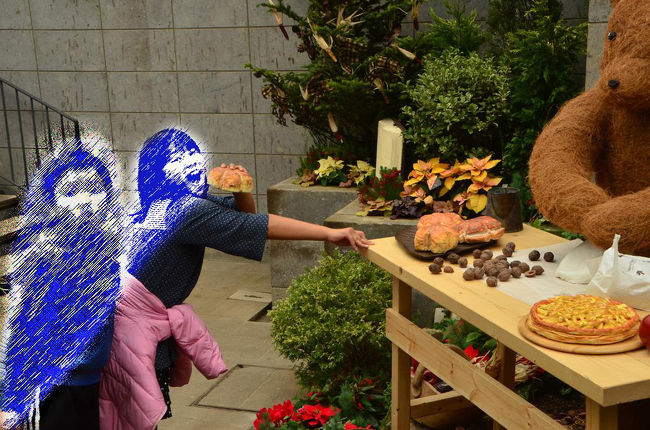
x=135 y=66
x=599 y=11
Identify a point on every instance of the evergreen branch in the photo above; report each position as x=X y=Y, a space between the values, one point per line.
x=284 y=9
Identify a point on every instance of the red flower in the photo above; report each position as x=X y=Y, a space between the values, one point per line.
x=277 y=415
x=350 y=426
x=315 y=415
x=471 y=352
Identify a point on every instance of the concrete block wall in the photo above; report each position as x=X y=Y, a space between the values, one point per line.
x=132 y=67
x=599 y=11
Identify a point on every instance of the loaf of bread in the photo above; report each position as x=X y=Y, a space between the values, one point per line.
x=440 y=232
x=231 y=180
x=480 y=229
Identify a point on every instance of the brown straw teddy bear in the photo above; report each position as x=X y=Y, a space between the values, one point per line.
x=590 y=167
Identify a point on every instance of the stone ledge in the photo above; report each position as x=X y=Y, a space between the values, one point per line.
x=310 y=204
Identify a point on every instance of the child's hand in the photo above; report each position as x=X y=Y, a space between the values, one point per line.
x=235 y=166
x=348 y=237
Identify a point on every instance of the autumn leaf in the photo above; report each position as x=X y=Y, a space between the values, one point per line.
x=486 y=184
x=477 y=167
x=477 y=202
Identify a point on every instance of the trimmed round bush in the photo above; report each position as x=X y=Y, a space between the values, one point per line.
x=456 y=106
x=332 y=323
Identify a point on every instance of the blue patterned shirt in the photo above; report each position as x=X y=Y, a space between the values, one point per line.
x=169 y=245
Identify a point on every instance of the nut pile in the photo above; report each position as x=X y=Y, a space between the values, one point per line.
x=496 y=268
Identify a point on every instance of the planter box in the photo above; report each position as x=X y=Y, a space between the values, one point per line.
x=376 y=227
x=313 y=204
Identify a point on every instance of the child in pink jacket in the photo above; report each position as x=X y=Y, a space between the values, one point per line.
x=176 y=221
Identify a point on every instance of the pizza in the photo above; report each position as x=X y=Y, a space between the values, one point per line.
x=583 y=319
x=231 y=180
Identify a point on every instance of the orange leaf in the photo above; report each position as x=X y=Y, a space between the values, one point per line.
x=412 y=181
x=479 y=176
x=431 y=180
x=491 y=164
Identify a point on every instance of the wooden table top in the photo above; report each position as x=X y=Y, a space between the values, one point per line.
x=606 y=379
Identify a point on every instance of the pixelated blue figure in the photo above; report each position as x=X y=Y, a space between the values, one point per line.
x=64 y=280
x=177 y=220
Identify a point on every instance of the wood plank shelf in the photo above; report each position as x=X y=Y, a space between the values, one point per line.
x=616 y=386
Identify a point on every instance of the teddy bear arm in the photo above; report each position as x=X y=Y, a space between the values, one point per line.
x=628 y=216
x=563 y=162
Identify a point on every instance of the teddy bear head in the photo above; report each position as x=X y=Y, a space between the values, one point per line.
x=625 y=69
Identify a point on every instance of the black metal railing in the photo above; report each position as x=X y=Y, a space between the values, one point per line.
x=27 y=118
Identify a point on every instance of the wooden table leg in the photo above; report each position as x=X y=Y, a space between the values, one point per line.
x=506 y=359
x=401 y=377
x=601 y=418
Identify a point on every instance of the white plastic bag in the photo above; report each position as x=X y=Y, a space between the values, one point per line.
x=624 y=278
x=581 y=264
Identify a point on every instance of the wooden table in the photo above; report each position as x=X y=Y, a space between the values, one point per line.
x=609 y=382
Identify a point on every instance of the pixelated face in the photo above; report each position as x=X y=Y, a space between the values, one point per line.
x=80 y=193
x=187 y=167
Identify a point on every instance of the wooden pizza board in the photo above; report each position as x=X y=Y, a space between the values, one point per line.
x=613 y=348
x=406 y=236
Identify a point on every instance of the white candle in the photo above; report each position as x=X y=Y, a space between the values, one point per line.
x=389 y=146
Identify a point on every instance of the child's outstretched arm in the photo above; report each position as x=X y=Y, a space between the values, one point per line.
x=281 y=228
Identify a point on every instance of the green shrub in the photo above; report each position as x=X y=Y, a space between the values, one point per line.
x=509 y=16
x=461 y=30
x=332 y=322
x=456 y=106
x=542 y=58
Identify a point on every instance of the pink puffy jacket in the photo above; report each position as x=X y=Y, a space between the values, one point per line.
x=129 y=393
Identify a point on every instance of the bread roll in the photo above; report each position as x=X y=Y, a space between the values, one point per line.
x=231 y=180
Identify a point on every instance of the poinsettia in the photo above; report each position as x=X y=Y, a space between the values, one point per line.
x=471 y=352
x=328 y=165
x=472 y=201
x=379 y=205
x=478 y=167
x=315 y=415
x=450 y=176
x=308 y=178
x=486 y=184
x=275 y=416
x=360 y=172
x=430 y=181
x=426 y=170
x=476 y=202
x=379 y=193
x=419 y=194
x=350 y=426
